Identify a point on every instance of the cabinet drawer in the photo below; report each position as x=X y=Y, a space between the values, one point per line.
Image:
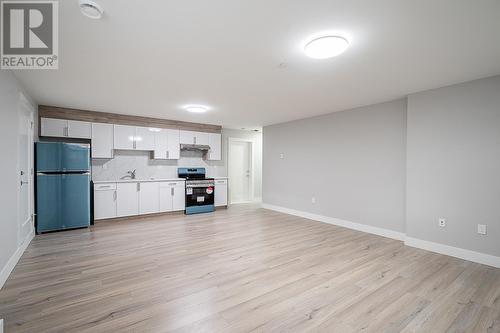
x=172 y=184
x=104 y=187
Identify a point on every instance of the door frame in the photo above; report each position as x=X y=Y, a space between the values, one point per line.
x=25 y=106
x=252 y=168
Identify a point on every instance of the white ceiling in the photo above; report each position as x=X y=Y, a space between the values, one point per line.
x=151 y=57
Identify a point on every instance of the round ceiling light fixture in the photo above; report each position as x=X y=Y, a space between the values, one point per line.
x=196 y=108
x=91 y=9
x=326 y=47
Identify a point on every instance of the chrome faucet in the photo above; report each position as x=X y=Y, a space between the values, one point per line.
x=130 y=174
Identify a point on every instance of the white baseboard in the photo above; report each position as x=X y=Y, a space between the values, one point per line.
x=481 y=258
x=9 y=267
x=342 y=223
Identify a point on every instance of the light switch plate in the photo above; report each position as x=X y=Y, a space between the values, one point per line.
x=481 y=229
x=282 y=156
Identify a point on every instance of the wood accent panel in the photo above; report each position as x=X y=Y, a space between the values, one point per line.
x=45 y=111
x=243 y=269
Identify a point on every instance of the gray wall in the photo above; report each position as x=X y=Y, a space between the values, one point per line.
x=9 y=97
x=454 y=165
x=352 y=162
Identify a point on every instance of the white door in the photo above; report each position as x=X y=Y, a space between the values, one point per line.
x=25 y=171
x=127 y=199
x=79 y=129
x=124 y=137
x=145 y=138
x=149 y=197
x=102 y=140
x=105 y=201
x=240 y=170
x=54 y=127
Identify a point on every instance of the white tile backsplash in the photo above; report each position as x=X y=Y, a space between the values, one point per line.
x=114 y=169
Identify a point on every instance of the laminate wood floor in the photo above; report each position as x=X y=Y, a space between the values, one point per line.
x=243 y=269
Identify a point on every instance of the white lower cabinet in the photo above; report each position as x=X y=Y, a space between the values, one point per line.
x=127 y=201
x=137 y=198
x=104 y=201
x=149 y=198
x=220 y=195
x=172 y=196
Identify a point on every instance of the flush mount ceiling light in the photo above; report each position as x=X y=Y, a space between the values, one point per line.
x=196 y=108
x=326 y=47
x=91 y=9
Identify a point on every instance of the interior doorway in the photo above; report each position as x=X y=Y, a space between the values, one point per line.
x=240 y=170
x=25 y=170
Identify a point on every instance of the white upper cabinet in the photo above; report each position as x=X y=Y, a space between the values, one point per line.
x=215 y=143
x=194 y=138
x=134 y=138
x=102 y=140
x=167 y=144
x=53 y=127
x=173 y=148
x=79 y=129
x=187 y=137
x=145 y=138
x=124 y=137
x=62 y=128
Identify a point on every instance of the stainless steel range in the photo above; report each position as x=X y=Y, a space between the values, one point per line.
x=199 y=190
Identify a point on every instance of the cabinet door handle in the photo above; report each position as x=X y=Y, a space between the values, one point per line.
x=138 y=187
x=66 y=131
x=114 y=195
x=194 y=140
x=172 y=191
x=168 y=154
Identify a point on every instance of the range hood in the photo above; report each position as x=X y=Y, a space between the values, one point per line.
x=195 y=147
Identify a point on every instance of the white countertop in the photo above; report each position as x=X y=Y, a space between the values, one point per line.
x=139 y=180
x=145 y=180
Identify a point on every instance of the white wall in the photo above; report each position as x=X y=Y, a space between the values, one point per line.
x=351 y=162
x=9 y=127
x=454 y=165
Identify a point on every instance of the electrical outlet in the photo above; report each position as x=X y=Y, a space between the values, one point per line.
x=313 y=200
x=442 y=222
x=282 y=156
x=481 y=229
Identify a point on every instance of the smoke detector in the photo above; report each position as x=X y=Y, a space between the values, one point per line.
x=91 y=9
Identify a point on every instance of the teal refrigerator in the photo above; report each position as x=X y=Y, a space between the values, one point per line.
x=62 y=186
